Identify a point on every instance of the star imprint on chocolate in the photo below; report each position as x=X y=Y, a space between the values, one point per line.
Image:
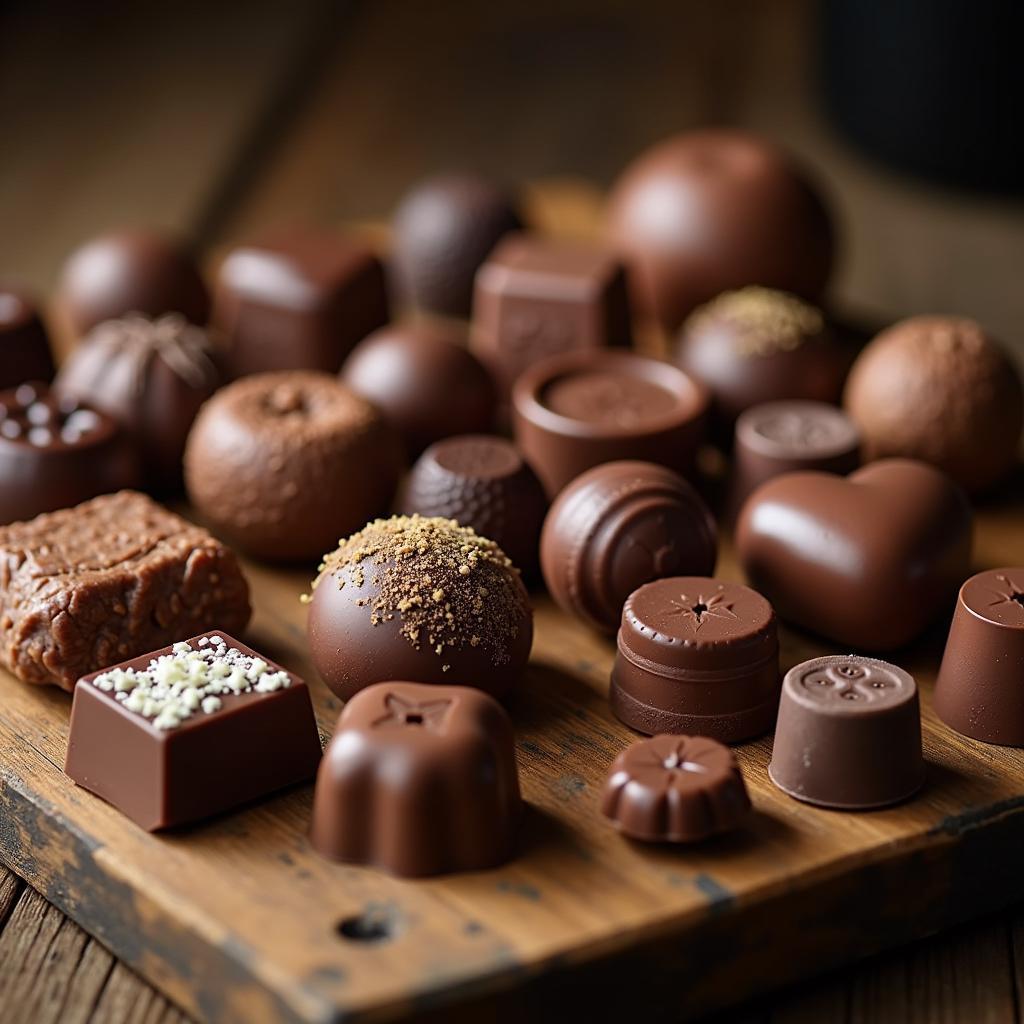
x=701 y=608
x=411 y=712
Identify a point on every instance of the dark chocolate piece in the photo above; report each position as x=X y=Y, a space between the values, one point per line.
x=697 y=655
x=979 y=689
x=191 y=730
x=617 y=527
x=55 y=453
x=581 y=409
x=419 y=599
x=848 y=734
x=297 y=300
x=25 y=353
x=484 y=483
x=419 y=780
x=442 y=232
x=868 y=560
x=425 y=381
x=675 y=789
x=108 y=580
x=285 y=463
x=707 y=211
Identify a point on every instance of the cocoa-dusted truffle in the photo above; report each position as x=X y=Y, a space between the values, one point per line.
x=419 y=599
x=285 y=463
x=443 y=230
x=424 y=380
x=25 y=353
x=711 y=210
x=940 y=389
x=151 y=376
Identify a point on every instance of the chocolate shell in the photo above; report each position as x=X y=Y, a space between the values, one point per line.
x=25 y=353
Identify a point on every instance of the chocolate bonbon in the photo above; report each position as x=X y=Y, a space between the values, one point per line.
x=25 y=353
x=484 y=483
x=675 y=789
x=191 y=730
x=579 y=409
x=978 y=691
x=55 y=453
x=425 y=381
x=697 y=655
x=616 y=527
x=423 y=600
x=297 y=300
x=848 y=734
x=711 y=210
x=868 y=560
x=107 y=580
x=939 y=389
x=419 y=780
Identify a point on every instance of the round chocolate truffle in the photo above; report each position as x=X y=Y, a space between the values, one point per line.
x=617 y=527
x=284 y=463
x=442 y=232
x=135 y=271
x=150 y=375
x=419 y=599
x=939 y=389
x=424 y=380
x=711 y=210
x=25 y=353
x=484 y=483
x=759 y=345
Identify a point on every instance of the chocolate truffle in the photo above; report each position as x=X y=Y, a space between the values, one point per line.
x=848 y=734
x=978 y=691
x=297 y=300
x=539 y=296
x=711 y=210
x=580 y=409
x=285 y=463
x=868 y=560
x=189 y=731
x=675 y=789
x=419 y=599
x=697 y=655
x=55 y=453
x=135 y=271
x=442 y=231
x=425 y=381
x=25 y=353
x=483 y=483
x=419 y=780
x=939 y=389
x=758 y=345
x=151 y=375
x=617 y=527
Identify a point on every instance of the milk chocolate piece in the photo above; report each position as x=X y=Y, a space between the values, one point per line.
x=579 y=409
x=867 y=560
x=297 y=300
x=239 y=728
x=617 y=527
x=539 y=296
x=979 y=689
x=25 y=353
x=108 y=580
x=419 y=780
x=675 y=789
x=55 y=453
x=697 y=655
x=848 y=734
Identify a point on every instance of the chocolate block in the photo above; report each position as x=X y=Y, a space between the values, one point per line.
x=25 y=353
x=108 y=580
x=297 y=301
x=190 y=731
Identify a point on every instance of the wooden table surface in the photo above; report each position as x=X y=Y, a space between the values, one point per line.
x=216 y=120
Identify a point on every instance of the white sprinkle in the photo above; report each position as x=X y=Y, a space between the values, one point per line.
x=211 y=704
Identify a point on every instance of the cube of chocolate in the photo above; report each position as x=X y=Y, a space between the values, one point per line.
x=191 y=730
x=536 y=297
x=297 y=301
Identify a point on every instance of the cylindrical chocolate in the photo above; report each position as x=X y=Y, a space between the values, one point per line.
x=24 y=344
x=848 y=734
x=980 y=687
x=697 y=655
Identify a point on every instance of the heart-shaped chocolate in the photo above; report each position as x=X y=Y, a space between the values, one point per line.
x=868 y=560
